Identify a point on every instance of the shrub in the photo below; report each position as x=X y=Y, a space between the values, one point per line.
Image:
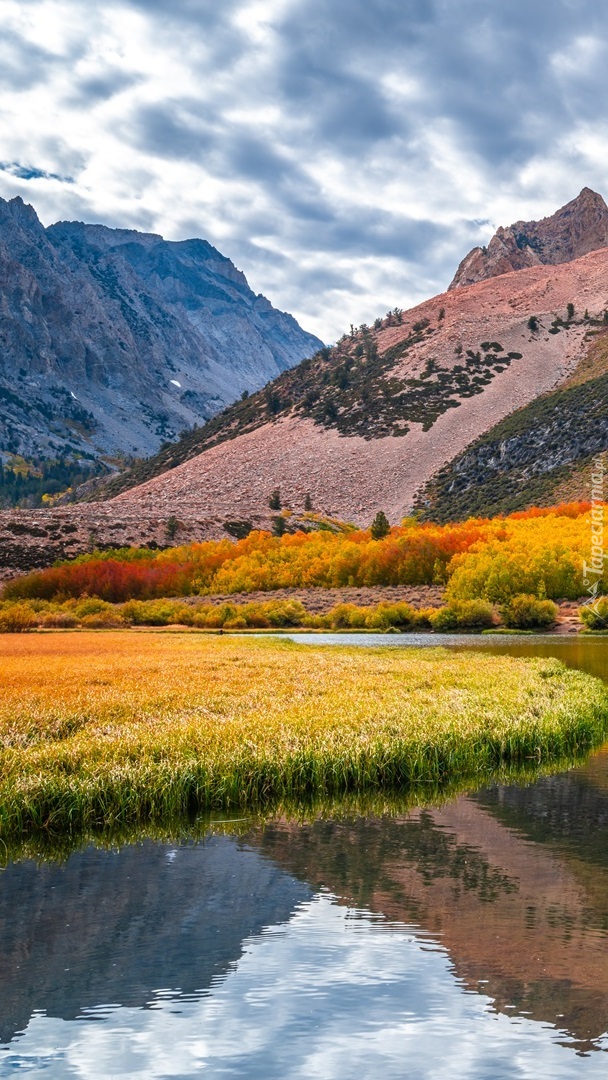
x=347 y=617
x=57 y=620
x=156 y=613
x=105 y=620
x=538 y=551
x=172 y=527
x=596 y=617
x=463 y=615
x=524 y=611
x=16 y=618
x=238 y=529
x=284 y=612
x=91 y=605
x=533 y=324
x=274 y=501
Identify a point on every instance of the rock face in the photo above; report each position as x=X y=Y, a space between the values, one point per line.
x=578 y=228
x=112 y=341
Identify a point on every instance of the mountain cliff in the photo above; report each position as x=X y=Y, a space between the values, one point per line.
x=112 y=341
x=576 y=229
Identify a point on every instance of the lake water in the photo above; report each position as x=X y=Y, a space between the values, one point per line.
x=467 y=940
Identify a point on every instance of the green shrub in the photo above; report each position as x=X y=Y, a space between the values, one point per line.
x=156 y=613
x=238 y=529
x=284 y=612
x=347 y=617
x=90 y=605
x=525 y=611
x=596 y=617
x=463 y=615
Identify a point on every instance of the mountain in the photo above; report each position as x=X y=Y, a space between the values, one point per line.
x=488 y=398
x=576 y=229
x=367 y=424
x=112 y=341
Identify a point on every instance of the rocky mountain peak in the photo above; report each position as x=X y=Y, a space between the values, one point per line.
x=112 y=341
x=574 y=230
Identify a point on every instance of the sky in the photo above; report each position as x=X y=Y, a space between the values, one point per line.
x=345 y=154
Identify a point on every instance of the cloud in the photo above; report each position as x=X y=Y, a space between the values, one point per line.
x=345 y=155
x=23 y=63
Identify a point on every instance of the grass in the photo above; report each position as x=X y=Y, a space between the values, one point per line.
x=102 y=731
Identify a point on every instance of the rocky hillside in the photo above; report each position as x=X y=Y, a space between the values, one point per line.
x=539 y=455
x=113 y=341
x=576 y=229
x=367 y=424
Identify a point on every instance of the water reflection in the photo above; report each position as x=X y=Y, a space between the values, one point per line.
x=468 y=940
x=330 y=995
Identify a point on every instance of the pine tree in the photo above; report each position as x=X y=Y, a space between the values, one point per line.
x=172 y=527
x=380 y=526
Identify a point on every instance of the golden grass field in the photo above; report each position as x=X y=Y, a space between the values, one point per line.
x=100 y=729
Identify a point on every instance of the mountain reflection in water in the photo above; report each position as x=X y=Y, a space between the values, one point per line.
x=469 y=940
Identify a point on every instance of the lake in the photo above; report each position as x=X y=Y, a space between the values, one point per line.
x=466 y=940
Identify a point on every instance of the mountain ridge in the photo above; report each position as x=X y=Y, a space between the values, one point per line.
x=112 y=341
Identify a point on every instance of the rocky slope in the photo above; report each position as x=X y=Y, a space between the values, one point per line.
x=367 y=424
x=540 y=455
x=112 y=341
x=576 y=229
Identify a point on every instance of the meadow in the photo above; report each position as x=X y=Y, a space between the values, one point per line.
x=110 y=730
